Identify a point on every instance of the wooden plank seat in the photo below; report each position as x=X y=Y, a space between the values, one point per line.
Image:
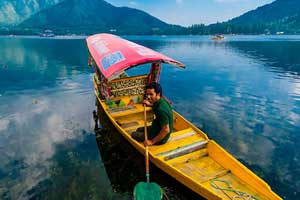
x=182 y=134
x=121 y=109
x=183 y=150
x=129 y=124
x=137 y=108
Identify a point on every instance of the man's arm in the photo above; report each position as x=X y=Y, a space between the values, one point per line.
x=162 y=134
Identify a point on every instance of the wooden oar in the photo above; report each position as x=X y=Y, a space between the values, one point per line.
x=147 y=190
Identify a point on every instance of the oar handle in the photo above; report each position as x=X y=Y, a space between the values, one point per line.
x=145 y=123
x=146 y=148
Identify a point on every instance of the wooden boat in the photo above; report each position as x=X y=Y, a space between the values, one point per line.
x=189 y=155
x=47 y=33
x=218 y=37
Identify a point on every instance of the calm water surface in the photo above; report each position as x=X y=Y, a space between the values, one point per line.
x=244 y=92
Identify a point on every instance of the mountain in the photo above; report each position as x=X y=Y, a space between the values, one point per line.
x=275 y=11
x=276 y=17
x=91 y=16
x=15 y=11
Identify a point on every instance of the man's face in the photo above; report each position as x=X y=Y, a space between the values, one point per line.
x=152 y=96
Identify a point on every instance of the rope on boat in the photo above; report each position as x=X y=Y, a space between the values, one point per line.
x=240 y=195
x=164 y=194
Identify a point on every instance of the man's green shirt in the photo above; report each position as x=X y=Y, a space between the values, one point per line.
x=163 y=116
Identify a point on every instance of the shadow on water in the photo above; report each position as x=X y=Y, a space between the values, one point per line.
x=76 y=173
x=125 y=166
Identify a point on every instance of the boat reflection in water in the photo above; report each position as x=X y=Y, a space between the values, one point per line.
x=125 y=166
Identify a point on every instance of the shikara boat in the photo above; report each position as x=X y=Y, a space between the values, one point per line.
x=218 y=37
x=189 y=156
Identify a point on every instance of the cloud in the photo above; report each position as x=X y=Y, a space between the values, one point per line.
x=133 y=3
x=179 y=1
x=34 y=126
x=3 y=124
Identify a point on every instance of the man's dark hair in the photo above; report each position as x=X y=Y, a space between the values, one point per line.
x=156 y=86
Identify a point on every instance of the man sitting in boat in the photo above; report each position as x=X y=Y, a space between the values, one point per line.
x=162 y=126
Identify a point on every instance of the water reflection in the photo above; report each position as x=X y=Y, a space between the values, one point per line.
x=47 y=147
x=245 y=93
x=281 y=56
x=36 y=63
x=281 y=117
x=47 y=144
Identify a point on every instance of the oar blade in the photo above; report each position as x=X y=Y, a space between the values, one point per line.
x=147 y=191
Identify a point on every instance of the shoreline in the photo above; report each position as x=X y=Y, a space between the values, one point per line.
x=227 y=38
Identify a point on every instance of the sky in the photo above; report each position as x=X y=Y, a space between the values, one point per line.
x=188 y=12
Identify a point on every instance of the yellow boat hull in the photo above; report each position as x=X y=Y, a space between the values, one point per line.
x=192 y=158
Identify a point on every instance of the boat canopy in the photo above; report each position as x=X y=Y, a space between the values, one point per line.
x=114 y=55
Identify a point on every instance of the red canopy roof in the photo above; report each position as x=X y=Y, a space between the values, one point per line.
x=113 y=54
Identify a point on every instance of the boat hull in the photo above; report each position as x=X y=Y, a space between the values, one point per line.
x=192 y=158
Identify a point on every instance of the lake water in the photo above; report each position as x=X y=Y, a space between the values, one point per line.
x=244 y=92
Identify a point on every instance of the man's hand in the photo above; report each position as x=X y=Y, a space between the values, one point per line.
x=147 y=102
x=148 y=143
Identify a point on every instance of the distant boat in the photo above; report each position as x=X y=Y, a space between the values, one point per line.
x=279 y=33
x=218 y=37
x=47 y=33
